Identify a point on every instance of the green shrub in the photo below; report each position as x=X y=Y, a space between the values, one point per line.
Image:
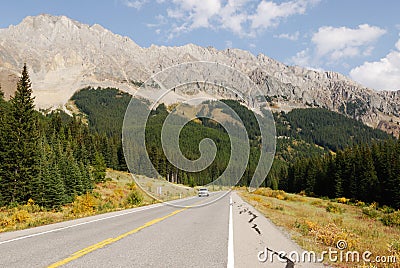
x=394 y=246
x=359 y=203
x=134 y=198
x=391 y=219
x=334 y=208
x=370 y=211
x=107 y=206
x=386 y=209
x=303 y=227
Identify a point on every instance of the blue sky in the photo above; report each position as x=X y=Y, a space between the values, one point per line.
x=358 y=38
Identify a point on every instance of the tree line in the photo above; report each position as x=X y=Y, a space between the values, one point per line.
x=325 y=128
x=365 y=172
x=47 y=158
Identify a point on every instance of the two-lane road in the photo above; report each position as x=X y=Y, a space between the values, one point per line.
x=154 y=236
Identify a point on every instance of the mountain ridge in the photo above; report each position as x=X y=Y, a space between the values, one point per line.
x=65 y=55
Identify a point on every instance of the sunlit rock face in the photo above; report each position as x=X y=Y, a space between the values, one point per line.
x=64 y=56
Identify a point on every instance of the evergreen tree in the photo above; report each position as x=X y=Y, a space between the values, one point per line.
x=70 y=173
x=335 y=169
x=20 y=156
x=368 y=189
x=99 y=168
x=49 y=185
x=86 y=178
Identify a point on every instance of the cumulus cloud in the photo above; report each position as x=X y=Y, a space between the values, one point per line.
x=195 y=13
x=232 y=16
x=302 y=58
x=333 y=45
x=269 y=13
x=380 y=75
x=342 y=42
x=241 y=17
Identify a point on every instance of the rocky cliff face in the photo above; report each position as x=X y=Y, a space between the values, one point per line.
x=64 y=55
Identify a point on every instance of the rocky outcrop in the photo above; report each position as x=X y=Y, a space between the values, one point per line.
x=64 y=55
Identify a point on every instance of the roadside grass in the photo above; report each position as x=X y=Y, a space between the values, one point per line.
x=318 y=224
x=169 y=191
x=116 y=193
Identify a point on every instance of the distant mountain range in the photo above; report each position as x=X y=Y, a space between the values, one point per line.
x=64 y=56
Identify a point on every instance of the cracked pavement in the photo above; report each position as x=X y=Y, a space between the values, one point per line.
x=254 y=233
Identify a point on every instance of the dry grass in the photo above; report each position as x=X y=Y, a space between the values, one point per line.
x=317 y=224
x=169 y=191
x=118 y=192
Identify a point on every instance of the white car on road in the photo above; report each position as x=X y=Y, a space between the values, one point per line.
x=203 y=192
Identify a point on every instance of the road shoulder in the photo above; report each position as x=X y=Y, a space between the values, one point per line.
x=253 y=233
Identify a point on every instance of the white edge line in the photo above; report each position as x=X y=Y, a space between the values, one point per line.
x=231 y=258
x=86 y=222
x=78 y=224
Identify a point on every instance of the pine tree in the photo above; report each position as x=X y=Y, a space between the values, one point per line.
x=70 y=173
x=20 y=155
x=99 y=168
x=369 y=189
x=336 y=167
x=86 y=178
x=49 y=186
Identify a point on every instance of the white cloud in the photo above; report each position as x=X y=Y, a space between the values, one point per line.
x=382 y=74
x=291 y=37
x=160 y=20
x=175 y=13
x=302 y=58
x=233 y=16
x=343 y=42
x=137 y=4
x=332 y=46
x=242 y=17
x=269 y=13
x=197 y=13
x=228 y=44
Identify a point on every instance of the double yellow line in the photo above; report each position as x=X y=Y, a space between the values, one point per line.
x=108 y=241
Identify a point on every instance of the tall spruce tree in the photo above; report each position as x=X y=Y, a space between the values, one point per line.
x=49 y=185
x=99 y=168
x=20 y=156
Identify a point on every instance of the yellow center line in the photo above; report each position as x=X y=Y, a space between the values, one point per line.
x=108 y=241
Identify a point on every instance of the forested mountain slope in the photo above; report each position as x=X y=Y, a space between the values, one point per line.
x=301 y=133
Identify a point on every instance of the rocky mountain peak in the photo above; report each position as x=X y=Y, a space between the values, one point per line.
x=64 y=55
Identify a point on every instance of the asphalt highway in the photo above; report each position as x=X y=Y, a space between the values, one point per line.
x=213 y=231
